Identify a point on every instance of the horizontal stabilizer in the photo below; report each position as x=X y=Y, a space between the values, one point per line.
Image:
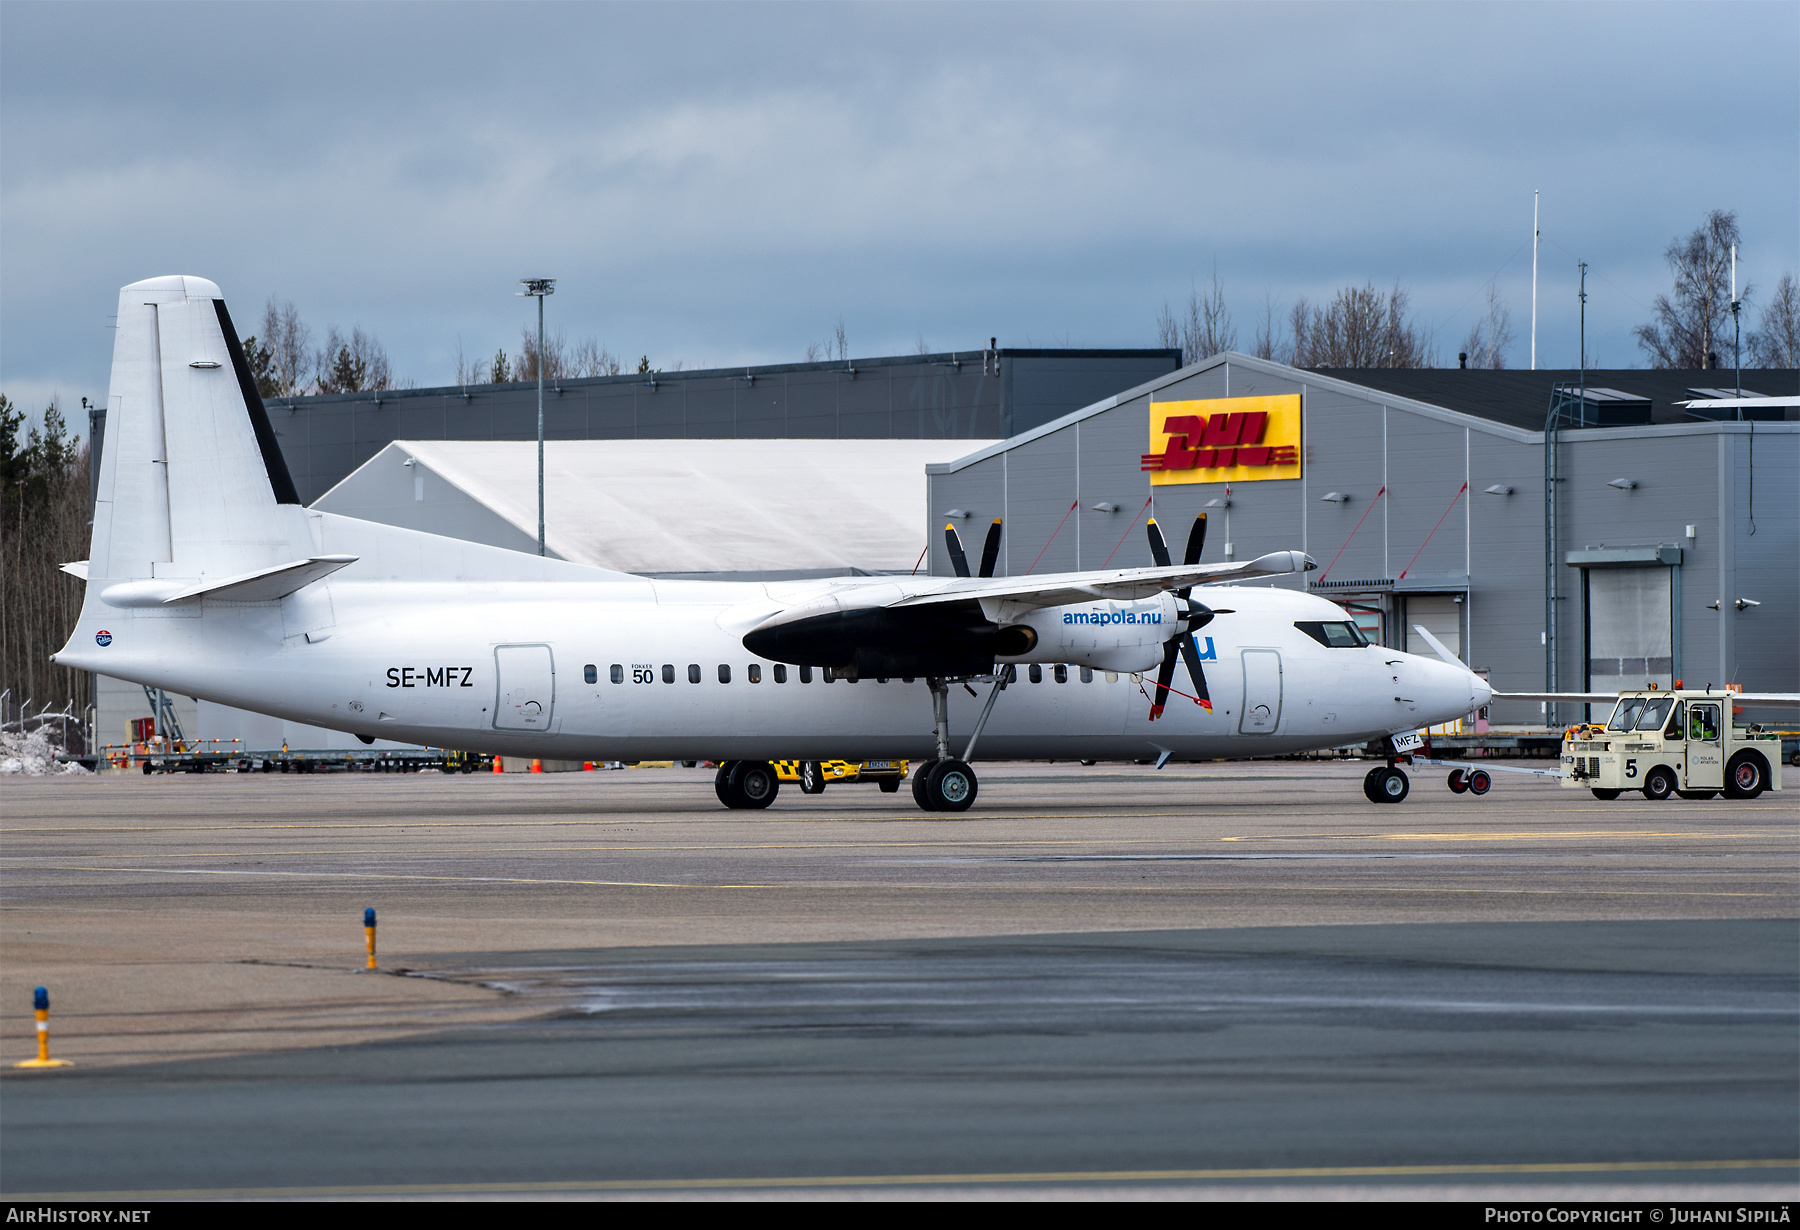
x=77 y=569
x=265 y=584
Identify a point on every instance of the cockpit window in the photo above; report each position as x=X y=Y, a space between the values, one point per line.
x=1345 y=635
x=1626 y=715
x=1654 y=712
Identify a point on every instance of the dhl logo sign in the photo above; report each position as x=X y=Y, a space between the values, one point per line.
x=1224 y=440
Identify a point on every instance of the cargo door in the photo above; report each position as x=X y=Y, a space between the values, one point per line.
x=1705 y=747
x=1262 y=692
x=527 y=689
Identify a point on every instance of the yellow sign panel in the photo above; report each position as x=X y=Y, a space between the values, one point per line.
x=1224 y=440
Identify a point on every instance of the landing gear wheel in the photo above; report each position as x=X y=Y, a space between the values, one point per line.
x=1745 y=776
x=889 y=785
x=1392 y=786
x=812 y=777
x=950 y=786
x=1659 y=784
x=1606 y=796
x=1480 y=782
x=1696 y=794
x=752 y=783
x=1369 y=780
x=922 y=774
x=722 y=783
x=1458 y=783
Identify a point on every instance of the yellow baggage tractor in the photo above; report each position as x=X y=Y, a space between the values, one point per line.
x=815 y=775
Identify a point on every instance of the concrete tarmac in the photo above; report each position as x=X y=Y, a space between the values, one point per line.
x=1222 y=978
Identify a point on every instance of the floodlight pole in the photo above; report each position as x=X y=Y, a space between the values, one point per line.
x=537 y=288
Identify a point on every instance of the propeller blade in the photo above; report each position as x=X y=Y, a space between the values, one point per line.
x=958 y=560
x=1159 y=550
x=990 y=550
x=1196 y=541
x=1192 y=656
x=1163 y=678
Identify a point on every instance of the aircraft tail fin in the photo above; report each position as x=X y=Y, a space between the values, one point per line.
x=192 y=482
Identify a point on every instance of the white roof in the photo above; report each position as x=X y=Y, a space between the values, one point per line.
x=708 y=505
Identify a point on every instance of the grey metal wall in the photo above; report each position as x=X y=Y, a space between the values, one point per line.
x=1403 y=467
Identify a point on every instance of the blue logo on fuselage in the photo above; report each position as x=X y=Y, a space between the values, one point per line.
x=1208 y=654
x=103 y=638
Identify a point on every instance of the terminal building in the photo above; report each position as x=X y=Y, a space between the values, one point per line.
x=1670 y=548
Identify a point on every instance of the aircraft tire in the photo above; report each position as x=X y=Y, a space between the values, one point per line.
x=753 y=783
x=1480 y=782
x=1659 y=784
x=951 y=786
x=812 y=777
x=1606 y=796
x=1746 y=776
x=1458 y=783
x=722 y=784
x=921 y=777
x=1369 y=780
x=1392 y=786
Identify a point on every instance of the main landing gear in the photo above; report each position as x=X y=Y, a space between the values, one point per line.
x=945 y=783
x=1385 y=784
x=746 y=784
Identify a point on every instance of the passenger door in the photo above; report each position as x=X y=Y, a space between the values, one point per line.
x=527 y=687
x=1262 y=692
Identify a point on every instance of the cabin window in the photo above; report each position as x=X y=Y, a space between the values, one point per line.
x=693 y=672
x=618 y=673
x=754 y=670
x=724 y=673
x=781 y=672
x=668 y=673
x=1112 y=676
x=1062 y=673
x=806 y=674
x=1087 y=674
x=1035 y=674
x=591 y=673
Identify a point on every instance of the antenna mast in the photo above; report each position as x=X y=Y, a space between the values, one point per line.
x=1534 y=254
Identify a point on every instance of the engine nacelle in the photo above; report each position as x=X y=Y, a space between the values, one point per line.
x=1112 y=636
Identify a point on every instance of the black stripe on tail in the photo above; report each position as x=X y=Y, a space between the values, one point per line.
x=279 y=479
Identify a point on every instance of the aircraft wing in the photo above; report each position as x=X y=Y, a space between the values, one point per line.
x=1118 y=585
x=1595 y=698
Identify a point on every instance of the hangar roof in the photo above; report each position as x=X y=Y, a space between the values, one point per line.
x=665 y=506
x=1521 y=398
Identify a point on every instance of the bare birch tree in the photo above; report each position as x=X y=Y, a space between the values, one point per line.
x=1360 y=327
x=1490 y=336
x=1693 y=330
x=1777 y=342
x=1203 y=330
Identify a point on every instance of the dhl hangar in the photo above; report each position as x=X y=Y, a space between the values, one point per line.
x=1669 y=549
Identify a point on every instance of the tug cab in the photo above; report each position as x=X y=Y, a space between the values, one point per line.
x=1676 y=742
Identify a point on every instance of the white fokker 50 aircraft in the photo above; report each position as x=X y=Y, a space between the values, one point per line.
x=207 y=577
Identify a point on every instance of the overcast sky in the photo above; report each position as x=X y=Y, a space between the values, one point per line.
x=717 y=185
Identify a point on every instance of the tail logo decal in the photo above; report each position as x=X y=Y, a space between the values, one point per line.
x=103 y=638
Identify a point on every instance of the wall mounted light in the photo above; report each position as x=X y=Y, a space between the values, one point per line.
x=1219 y=503
x=1623 y=484
x=1335 y=497
x=1499 y=489
x=1106 y=506
x=1743 y=603
x=957 y=514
